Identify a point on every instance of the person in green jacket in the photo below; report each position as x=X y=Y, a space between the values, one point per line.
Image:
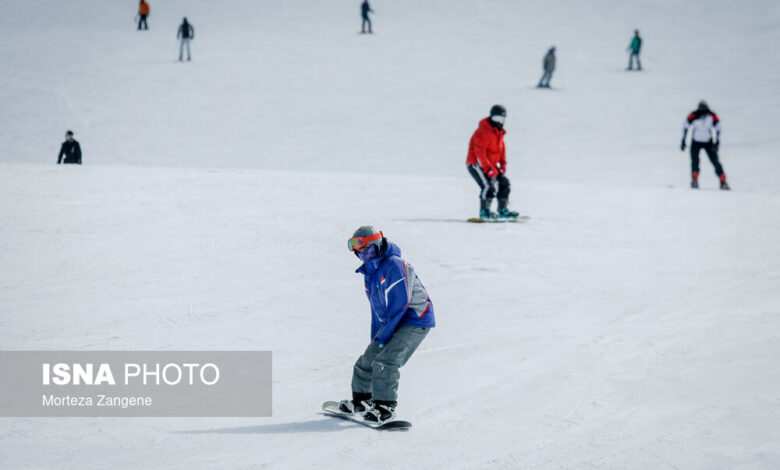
x=635 y=47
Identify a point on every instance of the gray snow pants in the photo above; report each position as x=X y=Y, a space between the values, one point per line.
x=185 y=42
x=376 y=371
x=631 y=61
x=545 y=80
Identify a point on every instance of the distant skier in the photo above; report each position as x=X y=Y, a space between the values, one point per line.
x=548 y=65
x=635 y=47
x=704 y=121
x=186 y=33
x=365 y=9
x=143 y=12
x=70 y=149
x=486 y=163
x=401 y=317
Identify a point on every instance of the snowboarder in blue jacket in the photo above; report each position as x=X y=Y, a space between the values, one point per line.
x=401 y=317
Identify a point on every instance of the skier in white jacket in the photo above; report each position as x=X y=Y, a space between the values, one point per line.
x=704 y=122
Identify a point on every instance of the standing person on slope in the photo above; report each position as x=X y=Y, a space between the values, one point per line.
x=704 y=121
x=70 y=149
x=401 y=317
x=486 y=163
x=548 y=65
x=143 y=12
x=635 y=47
x=365 y=9
x=186 y=33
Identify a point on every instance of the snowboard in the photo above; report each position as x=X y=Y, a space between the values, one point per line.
x=331 y=408
x=518 y=219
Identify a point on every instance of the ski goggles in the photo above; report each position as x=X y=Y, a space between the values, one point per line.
x=358 y=243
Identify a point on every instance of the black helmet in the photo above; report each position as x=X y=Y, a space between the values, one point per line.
x=497 y=116
x=70 y=133
x=497 y=110
x=703 y=105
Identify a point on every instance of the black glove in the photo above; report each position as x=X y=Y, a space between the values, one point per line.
x=682 y=146
x=716 y=146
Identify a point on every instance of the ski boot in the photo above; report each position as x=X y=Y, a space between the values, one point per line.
x=694 y=181
x=723 y=184
x=359 y=404
x=381 y=412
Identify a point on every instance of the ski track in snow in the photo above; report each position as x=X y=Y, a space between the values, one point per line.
x=631 y=323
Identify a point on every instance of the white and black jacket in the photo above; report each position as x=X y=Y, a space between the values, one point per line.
x=703 y=123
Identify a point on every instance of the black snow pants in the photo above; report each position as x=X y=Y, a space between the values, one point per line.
x=708 y=147
x=489 y=187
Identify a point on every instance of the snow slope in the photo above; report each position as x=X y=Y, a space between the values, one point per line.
x=631 y=324
x=287 y=85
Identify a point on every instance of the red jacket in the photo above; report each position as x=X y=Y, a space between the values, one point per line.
x=487 y=148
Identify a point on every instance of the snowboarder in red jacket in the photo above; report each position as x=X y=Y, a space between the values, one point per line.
x=486 y=163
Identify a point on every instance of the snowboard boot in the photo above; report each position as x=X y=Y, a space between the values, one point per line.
x=723 y=184
x=484 y=209
x=381 y=412
x=694 y=180
x=486 y=214
x=503 y=210
x=357 y=404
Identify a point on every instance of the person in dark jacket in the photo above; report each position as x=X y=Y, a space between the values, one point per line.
x=70 y=150
x=186 y=33
x=635 y=47
x=703 y=122
x=365 y=9
x=548 y=64
x=401 y=317
x=143 y=12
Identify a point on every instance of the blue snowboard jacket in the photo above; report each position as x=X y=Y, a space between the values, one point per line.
x=396 y=295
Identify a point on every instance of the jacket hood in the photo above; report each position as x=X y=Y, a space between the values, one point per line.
x=392 y=249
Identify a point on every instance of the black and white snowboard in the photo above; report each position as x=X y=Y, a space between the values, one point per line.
x=331 y=408
x=518 y=219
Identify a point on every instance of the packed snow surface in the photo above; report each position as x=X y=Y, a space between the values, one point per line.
x=632 y=323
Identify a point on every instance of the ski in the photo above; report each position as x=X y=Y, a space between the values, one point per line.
x=331 y=408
